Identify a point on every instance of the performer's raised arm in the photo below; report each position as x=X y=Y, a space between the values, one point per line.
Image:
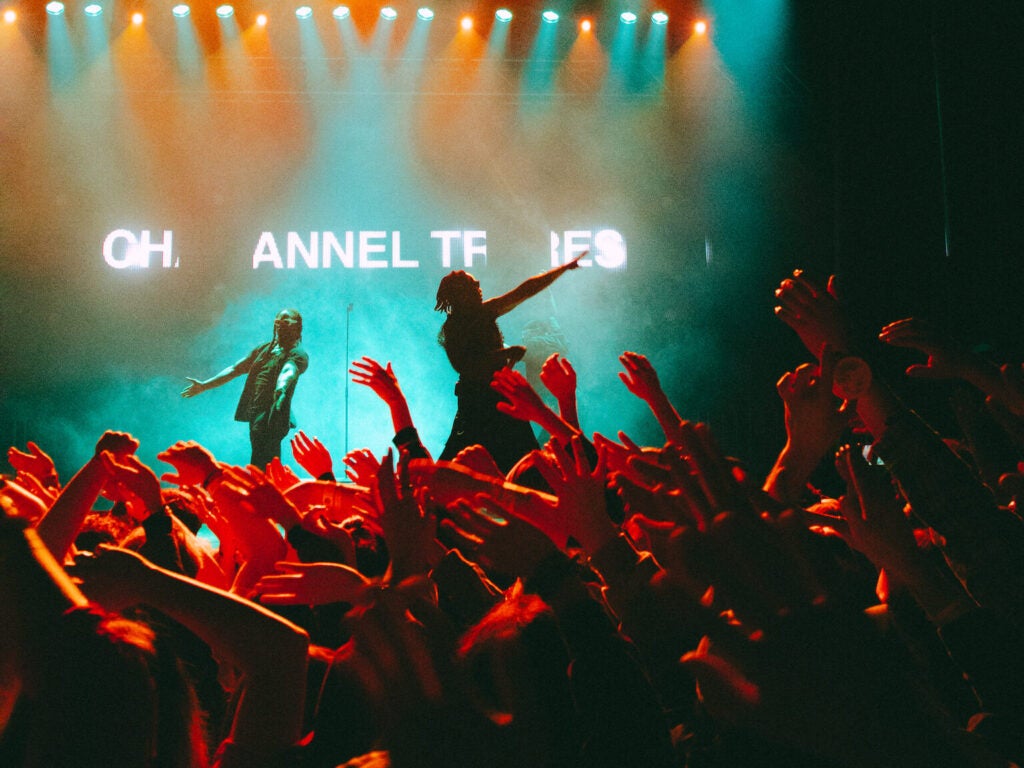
x=500 y=305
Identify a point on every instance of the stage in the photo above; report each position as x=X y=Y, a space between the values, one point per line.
x=168 y=183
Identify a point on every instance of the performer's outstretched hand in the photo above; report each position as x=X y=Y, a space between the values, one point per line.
x=195 y=386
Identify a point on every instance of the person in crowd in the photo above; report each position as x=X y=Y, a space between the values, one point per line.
x=638 y=605
x=272 y=372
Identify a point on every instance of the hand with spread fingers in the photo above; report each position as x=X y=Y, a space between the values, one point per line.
x=194 y=464
x=311 y=455
x=311 y=584
x=642 y=380
x=814 y=312
x=559 y=377
x=34 y=463
x=495 y=538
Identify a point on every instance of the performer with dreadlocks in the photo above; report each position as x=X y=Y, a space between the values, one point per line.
x=273 y=371
x=476 y=349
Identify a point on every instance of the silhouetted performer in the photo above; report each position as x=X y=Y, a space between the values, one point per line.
x=476 y=349
x=273 y=371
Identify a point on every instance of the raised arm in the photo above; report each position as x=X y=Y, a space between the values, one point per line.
x=384 y=383
x=558 y=375
x=269 y=651
x=524 y=403
x=61 y=523
x=499 y=305
x=195 y=386
x=642 y=380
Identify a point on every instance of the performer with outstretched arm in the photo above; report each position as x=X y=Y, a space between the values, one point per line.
x=476 y=349
x=273 y=371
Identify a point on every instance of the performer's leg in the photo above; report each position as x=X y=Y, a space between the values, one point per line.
x=265 y=446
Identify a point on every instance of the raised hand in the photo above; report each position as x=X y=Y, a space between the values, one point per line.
x=447 y=483
x=22 y=502
x=34 y=462
x=717 y=484
x=128 y=478
x=814 y=421
x=361 y=467
x=642 y=380
x=616 y=455
x=119 y=444
x=311 y=455
x=815 y=313
x=311 y=584
x=256 y=492
x=495 y=538
x=558 y=375
x=30 y=483
x=659 y=504
x=582 y=510
x=255 y=536
x=479 y=459
x=873 y=511
x=877 y=526
x=408 y=529
x=947 y=358
x=639 y=376
x=521 y=400
x=193 y=463
x=381 y=379
x=280 y=475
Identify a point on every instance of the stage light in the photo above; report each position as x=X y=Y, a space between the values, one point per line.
x=700 y=27
x=627 y=17
x=425 y=13
x=659 y=17
x=10 y=16
x=136 y=18
x=93 y=9
x=340 y=12
x=586 y=25
x=549 y=16
x=181 y=10
x=388 y=13
x=225 y=11
x=303 y=12
x=261 y=20
x=466 y=23
x=503 y=15
x=55 y=8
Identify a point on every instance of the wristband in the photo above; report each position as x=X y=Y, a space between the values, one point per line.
x=216 y=472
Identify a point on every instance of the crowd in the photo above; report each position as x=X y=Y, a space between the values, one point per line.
x=601 y=603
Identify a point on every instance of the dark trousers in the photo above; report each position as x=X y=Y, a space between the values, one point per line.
x=479 y=422
x=266 y=443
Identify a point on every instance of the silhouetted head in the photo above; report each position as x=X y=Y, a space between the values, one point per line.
x=458 y=290
x=515 y=658
x=288 y=327
x=113 y=693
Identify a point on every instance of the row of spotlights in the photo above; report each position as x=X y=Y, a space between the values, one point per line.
x=181 y=10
